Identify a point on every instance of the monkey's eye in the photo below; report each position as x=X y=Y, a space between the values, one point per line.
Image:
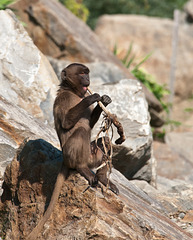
x=82 y=73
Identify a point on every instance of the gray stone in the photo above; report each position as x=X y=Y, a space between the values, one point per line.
x=134 y=157
x=181 y=143
x=171 y=163
x=26 y=76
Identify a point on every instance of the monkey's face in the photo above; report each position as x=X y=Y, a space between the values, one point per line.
x=83 y=83
x=77 y=75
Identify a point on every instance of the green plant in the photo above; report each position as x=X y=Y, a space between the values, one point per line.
x=5 y=3
x=172 y=124
x=77 y=8
x=127 y=60
x=147 y=79
x=191 y=97
x=159 y=135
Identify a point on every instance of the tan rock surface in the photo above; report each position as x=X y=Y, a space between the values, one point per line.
x=151 y=34
x=28 y=185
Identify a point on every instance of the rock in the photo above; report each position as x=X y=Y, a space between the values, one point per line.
x=15 y=126
x=175 y=196
x=77 y=214
x=27 y=78
x=182 y=145
x=170 y=163
x=151 y=34
x=155 y=121
x=129 y=104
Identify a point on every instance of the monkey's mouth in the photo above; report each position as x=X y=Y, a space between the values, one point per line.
x=85 y=88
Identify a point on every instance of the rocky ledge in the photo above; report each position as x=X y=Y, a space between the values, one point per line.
x=78 y=214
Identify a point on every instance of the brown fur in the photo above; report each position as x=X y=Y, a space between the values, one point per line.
x=74 y=118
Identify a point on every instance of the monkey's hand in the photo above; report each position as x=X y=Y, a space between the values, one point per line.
x=92 y=98
x=95 y=97
x=106 y=100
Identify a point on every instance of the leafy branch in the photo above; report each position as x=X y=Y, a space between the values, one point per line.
x=147 y=79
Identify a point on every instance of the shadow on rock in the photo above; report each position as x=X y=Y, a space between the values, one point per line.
x=38 y=162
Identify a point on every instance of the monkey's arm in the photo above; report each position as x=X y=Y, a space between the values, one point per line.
x=105 y=99
x=75 y=113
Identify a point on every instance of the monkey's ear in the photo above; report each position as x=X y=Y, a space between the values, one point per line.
x=63 y=74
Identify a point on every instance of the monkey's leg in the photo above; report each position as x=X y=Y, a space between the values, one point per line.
x=76 y=154
x=98 y=158
x=90 y=176
x=102 y=177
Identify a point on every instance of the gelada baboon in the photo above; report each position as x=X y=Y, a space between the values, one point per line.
x=74 y=118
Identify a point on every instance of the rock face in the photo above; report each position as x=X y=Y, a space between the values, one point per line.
x=77 y=215
x=150 y=34
x=27 y=78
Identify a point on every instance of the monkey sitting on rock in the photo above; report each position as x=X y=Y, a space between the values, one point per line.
x=74 y=117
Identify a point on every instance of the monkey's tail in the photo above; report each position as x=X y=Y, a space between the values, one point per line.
x=62 y=175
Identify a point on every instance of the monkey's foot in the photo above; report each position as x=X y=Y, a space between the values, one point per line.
x=113 y=188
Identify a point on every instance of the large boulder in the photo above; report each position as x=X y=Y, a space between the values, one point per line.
x=134 y=157
x=26 y=77
x=78 y=214
x=151 y=35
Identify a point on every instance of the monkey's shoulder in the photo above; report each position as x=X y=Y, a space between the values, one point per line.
x=66 y=98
